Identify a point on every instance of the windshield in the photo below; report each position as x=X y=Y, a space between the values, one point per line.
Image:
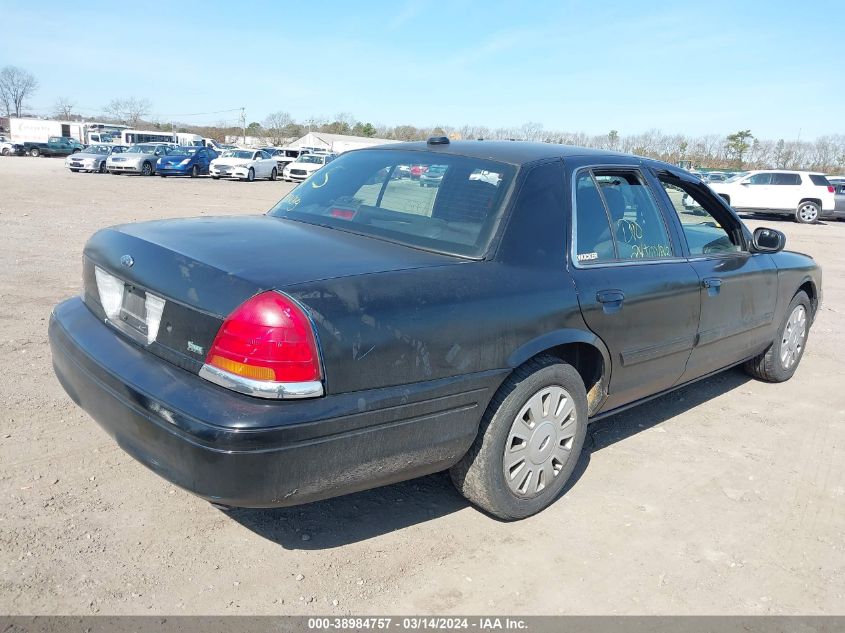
x=366 y=192
x=736 y=177
x=183 y=151
x=97 y=149
x=141 y=149
x=238 y=153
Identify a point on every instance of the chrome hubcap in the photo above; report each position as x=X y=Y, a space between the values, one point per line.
x=792 y=341
x=808 y=212
x=540 y=441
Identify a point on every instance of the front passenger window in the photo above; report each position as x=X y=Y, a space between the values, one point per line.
x=705 y=235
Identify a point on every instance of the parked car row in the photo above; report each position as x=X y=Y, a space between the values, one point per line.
x=169 y=159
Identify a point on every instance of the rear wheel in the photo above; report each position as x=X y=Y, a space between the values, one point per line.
x=35 y=152
x=195 y=171
x=147 y=169
x=528 y=442
x=74 y=170
x=6 y=151
x=102 y=168
x=807 y=212
x=273 y=174
x=215 y=177
x=779 y=362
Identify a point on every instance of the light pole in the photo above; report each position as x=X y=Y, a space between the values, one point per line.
x=243 y=123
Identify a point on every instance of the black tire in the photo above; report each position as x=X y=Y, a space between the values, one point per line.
x=74 y=170
x=195 y=171
x=808 y=212
x=35 y=152
x=147 y=169
x=102 y=168
x=163 y=175
x=768 y=366
x=215 y=177
x=76 y=151
x=250 y=175
x=6 y=151
x=480 y=475
x=273 y=174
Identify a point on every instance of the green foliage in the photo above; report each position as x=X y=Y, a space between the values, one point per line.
x=737 y=145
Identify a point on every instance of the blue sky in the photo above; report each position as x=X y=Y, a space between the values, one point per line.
x=698 y=67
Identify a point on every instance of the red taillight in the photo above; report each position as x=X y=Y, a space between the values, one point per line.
x=267 y=338
x=831 y=189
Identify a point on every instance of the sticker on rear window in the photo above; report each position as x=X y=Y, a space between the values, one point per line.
x=584 y=257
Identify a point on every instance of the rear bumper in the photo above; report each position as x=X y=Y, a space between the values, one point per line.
x=241 y=451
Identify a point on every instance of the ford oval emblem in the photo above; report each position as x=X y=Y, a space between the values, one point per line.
x=127 y=261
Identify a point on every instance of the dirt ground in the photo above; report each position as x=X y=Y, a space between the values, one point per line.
x=727 y=497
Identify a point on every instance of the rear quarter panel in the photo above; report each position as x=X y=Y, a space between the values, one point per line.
x=410 y=326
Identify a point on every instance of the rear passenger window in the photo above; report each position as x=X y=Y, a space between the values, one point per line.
x=786 y=179
x=617 y=218
x=818 y=180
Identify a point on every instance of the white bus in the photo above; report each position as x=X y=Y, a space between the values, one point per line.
x=130 y=137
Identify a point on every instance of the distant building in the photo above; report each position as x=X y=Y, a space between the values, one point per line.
x=337 y=143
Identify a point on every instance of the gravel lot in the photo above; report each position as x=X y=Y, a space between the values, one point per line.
x=727 y=497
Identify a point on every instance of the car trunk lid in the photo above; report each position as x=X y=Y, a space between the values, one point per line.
x=204 y=268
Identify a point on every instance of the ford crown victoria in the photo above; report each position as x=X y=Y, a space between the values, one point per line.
x=367 y=330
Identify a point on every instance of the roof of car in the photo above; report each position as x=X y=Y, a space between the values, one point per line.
x=784 y=171
x=514 y=152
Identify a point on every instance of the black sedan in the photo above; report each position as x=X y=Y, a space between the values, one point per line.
x=367 y=330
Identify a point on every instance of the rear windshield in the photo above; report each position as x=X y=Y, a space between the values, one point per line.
x=371 y=193
x=819 y=180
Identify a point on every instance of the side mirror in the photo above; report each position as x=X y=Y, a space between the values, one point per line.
x=745 y=183
x=768 y=240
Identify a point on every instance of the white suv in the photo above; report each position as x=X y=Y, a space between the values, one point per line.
x=805 y=195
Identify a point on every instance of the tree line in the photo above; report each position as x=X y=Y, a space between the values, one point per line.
x=740 y=150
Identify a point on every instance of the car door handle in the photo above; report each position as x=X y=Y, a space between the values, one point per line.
x=610 y=300
x=713 y=285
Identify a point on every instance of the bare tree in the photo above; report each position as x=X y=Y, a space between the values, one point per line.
x=276 y=125
x=64 y=108
x=16 y=86
x=129 y=110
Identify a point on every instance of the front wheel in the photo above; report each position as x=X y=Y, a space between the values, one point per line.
x=195 y=171
x=250 y=175
x=528 y=442
x=779 y=362
x=102 y=168
x=273 y=174
x=74 y=170
x=807 y=212
x=6 y=151
x=146 y=169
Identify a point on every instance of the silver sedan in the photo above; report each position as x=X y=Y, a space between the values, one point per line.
x=92 y=158
x=138 y=159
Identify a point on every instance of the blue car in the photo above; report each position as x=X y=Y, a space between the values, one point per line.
x=186 y=161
